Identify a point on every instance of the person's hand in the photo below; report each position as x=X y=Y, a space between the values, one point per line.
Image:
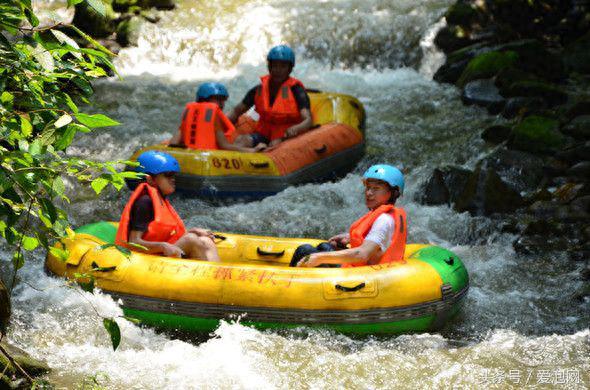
x=309 y=261
x=339 y=240
x=259 y=147
x=202 y=232
x=170 y=250
x=291 y=132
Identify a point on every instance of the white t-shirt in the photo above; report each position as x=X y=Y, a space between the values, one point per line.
x=382 y=231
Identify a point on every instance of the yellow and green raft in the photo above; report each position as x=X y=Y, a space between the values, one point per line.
x=254 y=283
x=333 y=147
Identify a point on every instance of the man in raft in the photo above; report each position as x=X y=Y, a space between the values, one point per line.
x=377 y=237
x=279 y=99
x=204 y=125
x=150 y=221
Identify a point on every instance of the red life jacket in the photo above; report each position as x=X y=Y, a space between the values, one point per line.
x=166 y=226
x=198 y=125
x=360 y=229
x=284 y=112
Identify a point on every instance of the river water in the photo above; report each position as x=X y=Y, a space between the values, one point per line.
x=520 y=325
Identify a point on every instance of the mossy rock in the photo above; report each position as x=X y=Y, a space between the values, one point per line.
x=579 y=128
x=510 y=75
x=462 y=14
x=32 y=366
x=576 y=56
x=487 y=65
x=551 y=93
x=128 y=31
x=537 y=134
x=93 y=23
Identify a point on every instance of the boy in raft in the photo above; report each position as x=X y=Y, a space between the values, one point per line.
x=280 y=100
x=377 y=237
x=205 y=126
x=150 y=220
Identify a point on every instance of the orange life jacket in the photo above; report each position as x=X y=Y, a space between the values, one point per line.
x=166 y=226
x=284 y=112
x=360 y=229
x=198 y=125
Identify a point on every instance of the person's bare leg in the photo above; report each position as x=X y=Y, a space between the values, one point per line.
x=195 y=247
x=244 y=140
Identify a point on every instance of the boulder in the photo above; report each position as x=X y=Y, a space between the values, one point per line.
x=32 y=366
x=550 y=93
x=536 y=134
x=162 y=4
x=496 y=134
x=575 y=153
x=510 y=75
x=5 y=307
x=578 y=128
x=450 y=72
x=581 y=205
x=521 y=170
x=486 y=193
x=523 y=106
x=483 y=93
x=576 y=56
x=580 y=171
x=93 y=23
x=451 y=38
x=463 y=13
x=128 y=31
x=570 y=191
x=487 y=65
x=578 y=107
x=444 y=186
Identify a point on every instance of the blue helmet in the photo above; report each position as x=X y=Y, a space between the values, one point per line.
x=154 y=162
x=281 y=53
x=206 y=90
x=387 y=173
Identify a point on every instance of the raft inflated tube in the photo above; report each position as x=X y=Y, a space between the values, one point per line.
x=331 y=148
x=253 y=281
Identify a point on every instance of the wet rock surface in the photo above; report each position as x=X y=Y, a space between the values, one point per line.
x=529 y=62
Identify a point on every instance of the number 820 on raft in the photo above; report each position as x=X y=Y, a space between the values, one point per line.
x=226 y=163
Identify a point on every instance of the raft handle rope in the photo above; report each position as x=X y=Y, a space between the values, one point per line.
x=266 y=253
x=359 y=286
x=259 y=165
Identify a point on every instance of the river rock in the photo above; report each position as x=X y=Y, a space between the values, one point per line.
x=522 y=170
x=496 y=134
x=574 y=153
x=578 y=107
x=550 y=93
x=128 y=31
x=451 y=38
x=444 y=186
x=483 y=93
x=163 y=4
x=510 y=75
x=463 y=13
x=523 y=106
x=580 y=170
x=450 y=72
x=5 y=307
x=93 y=23
x=570 y=191
x=487 y=65
x=578 y=128
x=32 y=366
x=581 y=206
x=577 y=55
x=536 y=134
x=486 y=193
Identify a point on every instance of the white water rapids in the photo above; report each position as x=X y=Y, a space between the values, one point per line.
x=519 y=327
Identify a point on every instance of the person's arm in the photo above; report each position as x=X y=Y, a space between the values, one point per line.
x=302 y=126
x=243 y=106
x=224 y=144
x=367 y=252
x=176 y=138
x=165 y=248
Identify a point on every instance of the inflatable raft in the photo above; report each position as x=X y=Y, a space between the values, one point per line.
x=332 y=148
x=254 y=283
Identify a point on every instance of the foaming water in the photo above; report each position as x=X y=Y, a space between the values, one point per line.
x=519 y=315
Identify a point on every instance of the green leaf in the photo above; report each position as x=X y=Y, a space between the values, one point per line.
x=25 y=126
x=44 y=57
x=63 y=38
x=18 y=259
x=30 y=243
x=31 y=17
x=84 y=85
x=35 y=148
x=59 y=186
x=99 y=184
x=86 y=286
x=6 y=99
x=92 y=41
x=96 y=120
x=74 y=2
x=62 y=121
x=98 y=6
x=66 y=138
x=61 y=254
x=70 y=103
x=113 y=329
